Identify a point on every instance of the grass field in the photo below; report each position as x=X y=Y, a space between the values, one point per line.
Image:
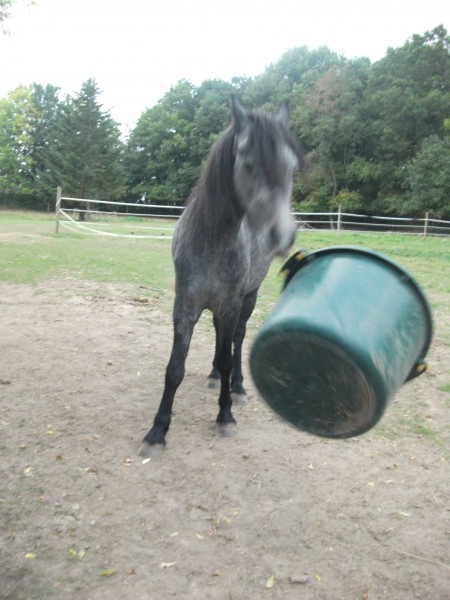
x=31 y=252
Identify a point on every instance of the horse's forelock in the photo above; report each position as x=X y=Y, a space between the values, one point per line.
x=265 y=137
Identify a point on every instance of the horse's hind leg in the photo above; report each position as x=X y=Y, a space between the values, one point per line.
x=213 y=381
x=184 y=322
x=238 y=392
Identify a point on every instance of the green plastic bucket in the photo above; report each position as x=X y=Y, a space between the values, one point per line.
x=350 y=327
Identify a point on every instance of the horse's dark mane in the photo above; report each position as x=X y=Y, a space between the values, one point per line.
x=213 y=197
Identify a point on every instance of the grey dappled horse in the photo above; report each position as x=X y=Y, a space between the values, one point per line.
x=236 y=220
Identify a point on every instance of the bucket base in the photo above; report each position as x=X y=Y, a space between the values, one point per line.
x=314 y=385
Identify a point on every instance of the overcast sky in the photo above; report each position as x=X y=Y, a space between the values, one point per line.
x=137 y=49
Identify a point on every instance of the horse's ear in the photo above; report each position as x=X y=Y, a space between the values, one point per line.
x=239 y=114
x=283 y=115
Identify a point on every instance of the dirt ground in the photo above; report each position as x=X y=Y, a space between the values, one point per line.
x=272 y=513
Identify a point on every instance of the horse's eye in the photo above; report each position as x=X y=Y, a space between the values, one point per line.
x=248 y=165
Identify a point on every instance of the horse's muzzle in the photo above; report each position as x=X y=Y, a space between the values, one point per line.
x=283 y=240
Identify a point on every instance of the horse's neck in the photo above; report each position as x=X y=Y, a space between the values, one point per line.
x=214 y=223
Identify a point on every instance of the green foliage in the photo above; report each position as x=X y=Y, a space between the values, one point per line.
x=348 y=201
x=166 y=149
x=16 y=133
x=408 y=99
x=429 y=177
x=5 y=6
x=27 y=134
x=46 y=142
x=88 y=151
x=43 y=142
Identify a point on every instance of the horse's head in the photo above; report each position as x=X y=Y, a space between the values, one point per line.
x=266 y=155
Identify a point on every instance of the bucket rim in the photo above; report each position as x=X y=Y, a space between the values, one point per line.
x=303 y=257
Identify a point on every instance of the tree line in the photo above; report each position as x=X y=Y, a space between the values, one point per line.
x=377 y=135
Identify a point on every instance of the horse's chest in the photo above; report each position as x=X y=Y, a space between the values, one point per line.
x=222 y=278
x=232 y=267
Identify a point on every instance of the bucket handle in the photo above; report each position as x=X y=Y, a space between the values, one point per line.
x=420 y=367
x=292 y=265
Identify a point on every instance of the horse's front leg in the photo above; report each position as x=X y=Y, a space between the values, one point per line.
x=238 y=392
x=226 y=329
x=183 y=323
x=213 y=379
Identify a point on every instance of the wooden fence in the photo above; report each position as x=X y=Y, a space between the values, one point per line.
x=87 y=215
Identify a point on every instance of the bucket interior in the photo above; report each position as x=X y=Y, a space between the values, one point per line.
x=314 y=385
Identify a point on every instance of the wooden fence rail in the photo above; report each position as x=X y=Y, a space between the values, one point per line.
x=81 y=211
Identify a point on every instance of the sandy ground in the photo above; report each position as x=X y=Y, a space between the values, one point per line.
x=272 y=513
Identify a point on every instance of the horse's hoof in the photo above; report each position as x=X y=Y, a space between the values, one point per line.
x=212 y=383
x=227 y=429
x=239 y=399
x=151 y=450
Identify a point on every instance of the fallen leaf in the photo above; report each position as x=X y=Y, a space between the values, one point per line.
x=30 y=555
x=174 y=534
x=167 y=565
x=299 y=579
x=311 y=467
x=107 y=572
x=404 y=514
x=199 y=536
x=270 y=582
x=317 y=577
x=146 y=460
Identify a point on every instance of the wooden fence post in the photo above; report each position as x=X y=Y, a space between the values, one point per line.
x=58 y=207
x=425 y=227
x=339 y=218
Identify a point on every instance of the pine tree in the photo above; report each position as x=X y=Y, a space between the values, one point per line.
x=88 y=154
